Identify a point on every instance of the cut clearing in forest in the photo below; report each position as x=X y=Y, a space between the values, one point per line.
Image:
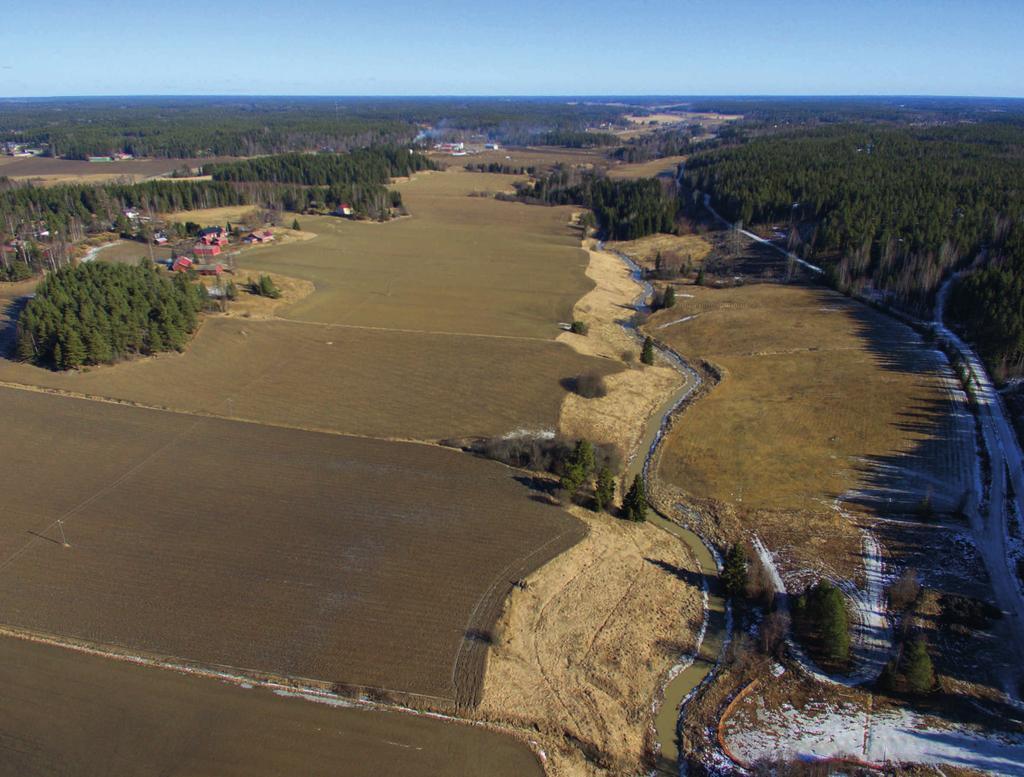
x=73 y=713
x=582 y=649
x=277 y=551
x=823 y=402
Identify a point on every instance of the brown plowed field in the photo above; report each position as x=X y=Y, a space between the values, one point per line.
x=77 y=715
x=320 y=556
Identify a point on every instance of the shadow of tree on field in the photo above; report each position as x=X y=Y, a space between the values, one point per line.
x=914 y=498
x=687 y=576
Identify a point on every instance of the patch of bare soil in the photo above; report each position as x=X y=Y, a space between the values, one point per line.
x=581 y=650
x=633 y=394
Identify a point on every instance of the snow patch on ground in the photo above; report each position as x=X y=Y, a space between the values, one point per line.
x=823 y=731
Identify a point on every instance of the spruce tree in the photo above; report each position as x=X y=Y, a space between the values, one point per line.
x=634 y=506
x=669 y=300
x=827 y=608
x=734 y=571
x=604 y=494
x=919 y=670
x=295 y=225
x=647 y=352
x=73 y=352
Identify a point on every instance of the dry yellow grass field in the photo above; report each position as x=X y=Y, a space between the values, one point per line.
x=633 y=394
x=821 y=398
x=582 y=649
x=644 y=250
x=211 y=216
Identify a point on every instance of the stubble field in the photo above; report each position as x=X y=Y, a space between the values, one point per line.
x=320 y=556
x=64 y=712
x=458 y=264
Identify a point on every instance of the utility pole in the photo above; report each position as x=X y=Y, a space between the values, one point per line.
x=63 y=538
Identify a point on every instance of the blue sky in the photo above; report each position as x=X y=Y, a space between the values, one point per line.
x=71 y=47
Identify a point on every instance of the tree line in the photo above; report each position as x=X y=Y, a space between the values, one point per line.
x=98 y=313
x=276 y=182
x=623 y=209
x=655 y=145
x=364 y=166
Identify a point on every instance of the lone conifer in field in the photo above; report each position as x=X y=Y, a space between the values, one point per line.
x=295 y=225
x=734 y=571
x=604 y=493
x=634 y=506
x=827 y=609
x=647 y=352
x=920 y=673
x=669 y=300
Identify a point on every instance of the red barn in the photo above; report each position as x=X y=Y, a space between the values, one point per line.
x=209 y=269
x=181 y=264
x=202 y=249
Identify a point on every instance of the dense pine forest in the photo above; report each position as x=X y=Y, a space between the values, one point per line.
x=365 y=166
x=655 y=145
x=624 y=210
x=194 y=127
x=99 y=313
x=889 y=210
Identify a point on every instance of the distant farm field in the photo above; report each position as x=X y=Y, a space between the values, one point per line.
x=542 y=158
x=652 y=169
x=405 y=385
x=68 y=713
x=52 y=171
x=320 y=556
x=821 y=399
x=457 y=264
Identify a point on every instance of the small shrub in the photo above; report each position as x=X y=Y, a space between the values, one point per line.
x=590 y=385
x=904 y=592
x=634 y=506
x=579 y=328
x=647 y=352
x=919 y=670
x=734 y=571
x=264 y=287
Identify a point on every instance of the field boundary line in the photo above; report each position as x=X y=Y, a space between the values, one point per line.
x=287 y=686
x=99 y=398
x=213 y=670
x=401 y=330
x=496 y=603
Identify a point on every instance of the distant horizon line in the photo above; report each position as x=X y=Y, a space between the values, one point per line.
x=553 y=96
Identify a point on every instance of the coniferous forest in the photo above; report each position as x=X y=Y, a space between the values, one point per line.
x=892 y=210
x=98 y=313
x=624 y=209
